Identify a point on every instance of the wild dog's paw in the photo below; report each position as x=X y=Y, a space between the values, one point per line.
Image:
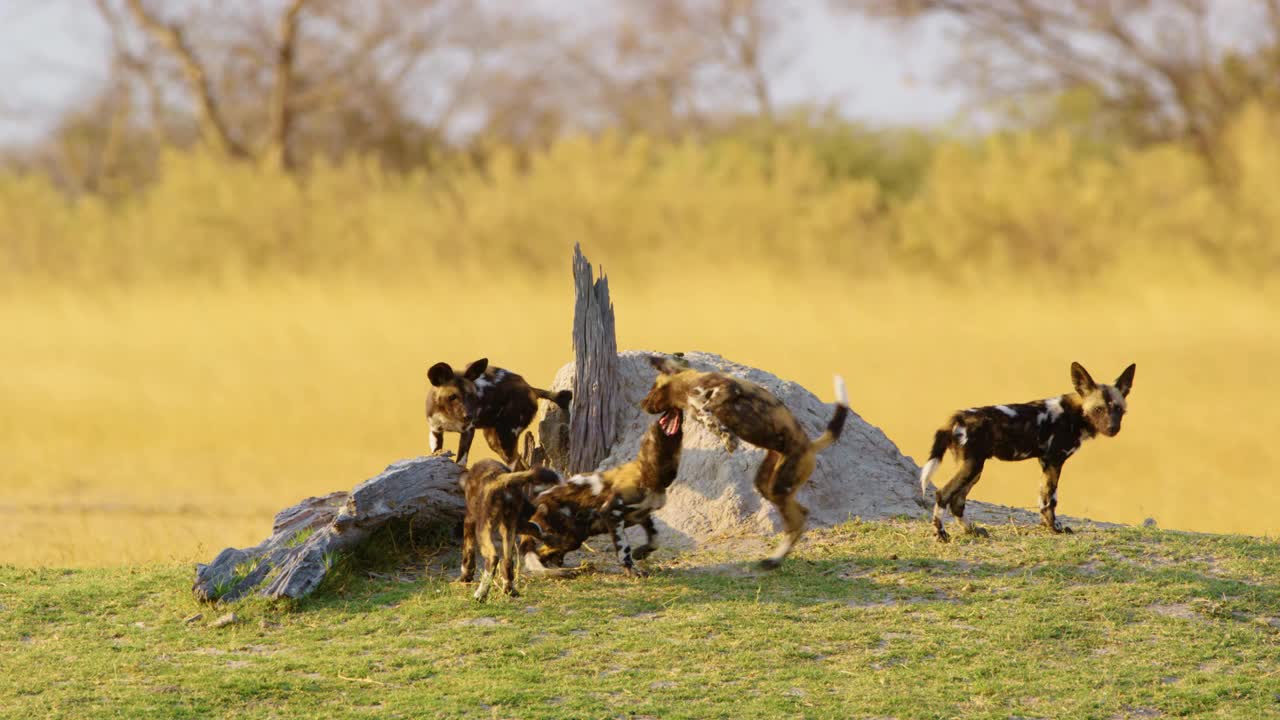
x=978 y=531
x=642 y=552
x=770 y=564
x=942 y=536
x=636 y=572
x=1066 y=530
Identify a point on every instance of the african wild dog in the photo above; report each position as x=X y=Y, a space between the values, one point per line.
x=737 y=408
x=497 y=401
x=608 y=501
x=1050 y=430
x=497 y=498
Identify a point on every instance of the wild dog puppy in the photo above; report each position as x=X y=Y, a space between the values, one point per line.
x=1050 y=430
x=608 y=502
x=497 y=401
x=741 y=409
x=500 y=499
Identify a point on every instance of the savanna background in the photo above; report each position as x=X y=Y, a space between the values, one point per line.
x=232 y=247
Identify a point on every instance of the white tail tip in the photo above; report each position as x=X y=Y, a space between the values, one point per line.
x=842 y=394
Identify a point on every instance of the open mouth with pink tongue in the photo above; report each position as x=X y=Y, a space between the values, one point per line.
x=670 y=421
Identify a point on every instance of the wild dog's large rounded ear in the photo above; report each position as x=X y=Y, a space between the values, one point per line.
x=664 y=365
x=440 y=373
x=1125 y=381
x=1081 y=379
x=476 y=369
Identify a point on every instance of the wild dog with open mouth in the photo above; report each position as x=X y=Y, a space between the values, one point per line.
x=498 y=498
x=737 y=408
x=1051 y=430
x=608 y=501
x=497 y=401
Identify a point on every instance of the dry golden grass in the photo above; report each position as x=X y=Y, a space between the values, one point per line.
x=169 y=423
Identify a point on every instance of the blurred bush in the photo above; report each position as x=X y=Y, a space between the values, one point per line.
x=796 y=197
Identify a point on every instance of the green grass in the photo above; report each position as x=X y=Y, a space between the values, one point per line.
x=866 y=620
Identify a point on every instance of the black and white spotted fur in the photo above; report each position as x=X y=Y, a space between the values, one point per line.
x=1049 y=430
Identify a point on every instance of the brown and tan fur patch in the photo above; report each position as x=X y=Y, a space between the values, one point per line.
x=497 y=498
x=1050 y=430
x=736 y=408
x=608 y=501
x=492 y=399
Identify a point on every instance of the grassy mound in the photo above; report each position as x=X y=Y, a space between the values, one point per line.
x=867 y=620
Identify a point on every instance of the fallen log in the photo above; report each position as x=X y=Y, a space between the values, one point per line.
x=304 y=538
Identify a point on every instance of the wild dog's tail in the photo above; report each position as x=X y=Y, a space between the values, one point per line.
x=941 y=441
x=561 y=398
x=836 y=425
x=534 y=479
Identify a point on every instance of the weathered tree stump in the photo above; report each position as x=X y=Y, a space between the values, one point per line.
x=592 y=417
x=295 y=559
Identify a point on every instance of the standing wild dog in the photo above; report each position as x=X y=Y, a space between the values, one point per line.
x=497 y=401
x=608 y=502
x=1050 y=430
x=736 y=408
x=500 y=499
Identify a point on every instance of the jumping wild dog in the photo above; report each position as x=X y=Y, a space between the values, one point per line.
x=1050 y=430
x=497 y=498
x=497 y=401
x=736 y=408
x=608 y=502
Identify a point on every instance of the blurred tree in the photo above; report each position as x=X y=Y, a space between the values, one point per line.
x=1146 y=70
x=671 y=66
x=281 y=81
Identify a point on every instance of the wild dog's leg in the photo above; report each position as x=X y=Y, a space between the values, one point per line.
x=507 y=534
x=1049 y=495
x=790 y=475
x=509 y=438
x=650 y=538
x=490 y=559
x=468 y=549
x=705 y=402
x=958 y=501
x=794 y=517
x=528 y=548
x=943 y=496
x=437 y=441
x=464 y=446
x=623 y=549
x=768 y=468
x=504 y=441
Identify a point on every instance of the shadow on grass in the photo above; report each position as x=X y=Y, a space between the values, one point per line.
x=910 y=576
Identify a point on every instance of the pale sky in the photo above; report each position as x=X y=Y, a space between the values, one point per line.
x=52 y=51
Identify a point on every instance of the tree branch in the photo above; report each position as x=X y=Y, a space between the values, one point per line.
x=281 y=113
x=213 y=126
